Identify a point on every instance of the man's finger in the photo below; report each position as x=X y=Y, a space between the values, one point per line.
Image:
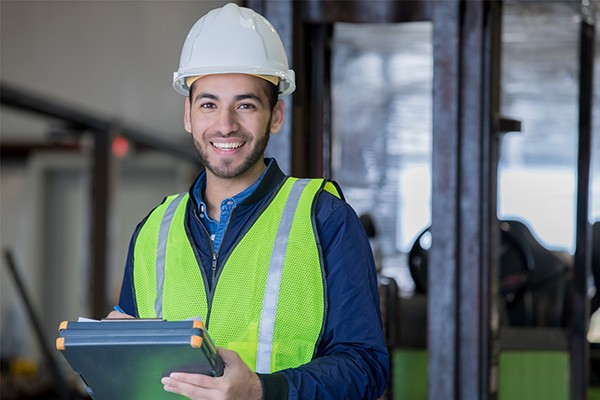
x=188 y=385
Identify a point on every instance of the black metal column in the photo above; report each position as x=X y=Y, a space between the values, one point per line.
x=462 y=257
x=100 y=200
x=318 y=59
x=582 y=267
x=443 y=269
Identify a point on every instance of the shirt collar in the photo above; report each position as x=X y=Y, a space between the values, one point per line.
x=199 y=186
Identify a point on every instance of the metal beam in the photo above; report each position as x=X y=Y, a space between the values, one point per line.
x=81 y=121
x=582 y=264
x=318 y=120
x=463 y=259
x=100 y=200
x=443 y=258
x=372 y=11
x=60 y=381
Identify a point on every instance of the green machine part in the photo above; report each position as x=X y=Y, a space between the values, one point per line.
x=523 y=375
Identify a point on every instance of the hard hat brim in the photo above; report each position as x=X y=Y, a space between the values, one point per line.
x=286 y=80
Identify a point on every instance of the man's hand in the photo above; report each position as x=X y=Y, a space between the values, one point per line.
x=237 y=382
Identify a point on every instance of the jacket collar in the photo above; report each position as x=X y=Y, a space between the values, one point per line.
x=273 y=177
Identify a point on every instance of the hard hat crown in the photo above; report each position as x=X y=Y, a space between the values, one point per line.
x=233 y=39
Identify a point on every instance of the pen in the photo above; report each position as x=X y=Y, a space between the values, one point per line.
x=117 y=308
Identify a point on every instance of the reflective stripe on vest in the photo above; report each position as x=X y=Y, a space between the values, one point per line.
x=272 y=282
x=163 y=233
x=271 y=299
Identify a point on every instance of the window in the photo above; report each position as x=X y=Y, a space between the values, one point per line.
x=537 y=174
x=382 y=103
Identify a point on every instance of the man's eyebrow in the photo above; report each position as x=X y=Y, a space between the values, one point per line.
x=245 y=96
x=239 y=97
x=205 y=95
x=251 y=96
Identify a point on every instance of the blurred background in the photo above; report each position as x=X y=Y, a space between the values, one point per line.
x=91 y=139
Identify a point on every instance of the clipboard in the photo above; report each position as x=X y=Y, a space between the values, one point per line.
x=126 y=358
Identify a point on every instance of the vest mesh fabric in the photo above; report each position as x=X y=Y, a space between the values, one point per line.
x=185 y=286
x=183 y=280
x=240 y=275
x=234 y=318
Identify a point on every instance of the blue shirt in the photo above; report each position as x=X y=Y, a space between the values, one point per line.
x=216 y=229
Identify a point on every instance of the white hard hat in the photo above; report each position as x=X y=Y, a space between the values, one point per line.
x=233 y=39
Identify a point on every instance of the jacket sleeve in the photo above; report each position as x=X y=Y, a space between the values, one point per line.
x=127 y=296
x=351 y=360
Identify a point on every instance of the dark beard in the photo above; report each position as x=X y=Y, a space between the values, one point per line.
x=225 y=170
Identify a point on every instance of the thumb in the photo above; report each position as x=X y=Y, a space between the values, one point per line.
x=229 y=356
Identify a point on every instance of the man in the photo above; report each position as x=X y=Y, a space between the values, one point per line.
x=279 y=268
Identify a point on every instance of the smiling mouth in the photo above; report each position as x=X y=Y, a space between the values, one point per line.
x=227 y=146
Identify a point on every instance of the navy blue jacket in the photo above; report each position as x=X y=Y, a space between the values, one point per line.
x=351 y=360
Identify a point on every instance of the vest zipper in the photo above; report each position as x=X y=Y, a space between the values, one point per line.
x=213 y=267
x=210 y=288
x=213 y=284
x=214 y=270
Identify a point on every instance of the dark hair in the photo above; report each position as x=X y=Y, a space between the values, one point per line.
x=272 y=94
x=271 y=90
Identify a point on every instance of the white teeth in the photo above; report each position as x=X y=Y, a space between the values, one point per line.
x=227 y=146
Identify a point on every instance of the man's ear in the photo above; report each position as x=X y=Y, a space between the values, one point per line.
x=187 y=116
x=277 y=117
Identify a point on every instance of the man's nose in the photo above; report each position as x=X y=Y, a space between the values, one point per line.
x=227 y=122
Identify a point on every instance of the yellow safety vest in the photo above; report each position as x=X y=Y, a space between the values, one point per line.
x=268 y=302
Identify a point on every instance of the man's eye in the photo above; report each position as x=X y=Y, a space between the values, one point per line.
x=207 y=105
x=246 y=106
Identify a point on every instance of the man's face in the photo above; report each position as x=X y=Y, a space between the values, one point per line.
x=230 y=120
